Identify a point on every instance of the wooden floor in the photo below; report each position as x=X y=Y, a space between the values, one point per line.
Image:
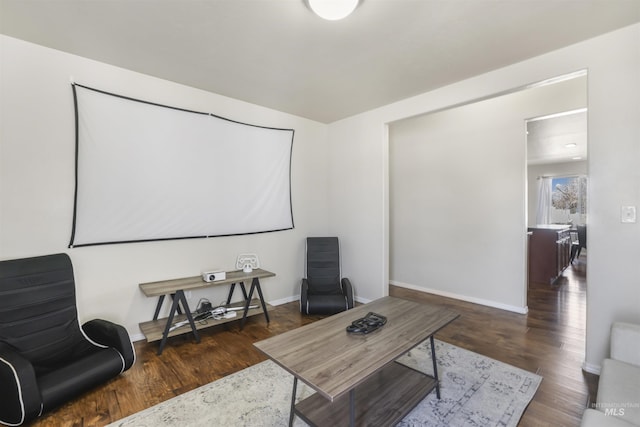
x=549 y=340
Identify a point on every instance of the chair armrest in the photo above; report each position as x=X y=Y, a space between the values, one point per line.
x=19 y=391
x=304 y=290
x=347 y=289
x=109 y=334
x=625 y=342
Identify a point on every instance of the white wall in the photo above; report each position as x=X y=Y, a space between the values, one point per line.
x=457 y=194
x=350 y=200
x=359 y=179
x=550 y=169
x=37 y=151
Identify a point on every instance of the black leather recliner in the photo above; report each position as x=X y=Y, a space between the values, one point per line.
x=46 y=359
x=324 y=290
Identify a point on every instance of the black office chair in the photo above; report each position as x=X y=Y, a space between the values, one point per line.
x=575 y=245
x=580 y=242
x=46 y=359
x=582 y=237
x=324 y=290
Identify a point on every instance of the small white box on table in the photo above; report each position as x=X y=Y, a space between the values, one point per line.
x=214 y=275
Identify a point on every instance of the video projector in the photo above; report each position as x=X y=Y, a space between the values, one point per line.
x=214 y=276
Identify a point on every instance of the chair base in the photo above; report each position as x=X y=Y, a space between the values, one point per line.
x=324 y=304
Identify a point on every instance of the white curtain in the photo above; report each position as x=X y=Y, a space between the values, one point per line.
x=544 y=200
x=582 y=198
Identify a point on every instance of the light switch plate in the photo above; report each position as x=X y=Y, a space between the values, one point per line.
x=628 y=214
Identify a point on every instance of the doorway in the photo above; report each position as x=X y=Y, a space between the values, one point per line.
x=557 y=181
x=557 y=178
x=457 y=193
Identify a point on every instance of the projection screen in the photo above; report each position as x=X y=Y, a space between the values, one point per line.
x=146 y=172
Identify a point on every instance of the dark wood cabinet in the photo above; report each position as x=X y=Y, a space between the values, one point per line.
x=549 y=252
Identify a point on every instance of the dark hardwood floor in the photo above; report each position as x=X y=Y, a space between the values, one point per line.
x=549 y=340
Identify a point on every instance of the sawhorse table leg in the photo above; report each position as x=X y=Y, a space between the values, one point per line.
x=255 y=285
x=231 y=289
x=178 y=298
x=159 y=306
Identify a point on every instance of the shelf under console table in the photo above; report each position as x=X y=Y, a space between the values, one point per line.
x=161 y=329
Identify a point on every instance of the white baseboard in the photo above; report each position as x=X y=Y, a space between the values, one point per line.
x=590 y=368
x=284 y=300
x=297 y=298
x=137 y=337
x=488 y=303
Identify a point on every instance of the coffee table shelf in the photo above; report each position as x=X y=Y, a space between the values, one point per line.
x=382 y=400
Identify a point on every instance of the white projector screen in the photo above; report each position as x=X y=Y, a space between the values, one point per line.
x=151 y=172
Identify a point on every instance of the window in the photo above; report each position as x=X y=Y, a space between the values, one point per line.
x=568 y=200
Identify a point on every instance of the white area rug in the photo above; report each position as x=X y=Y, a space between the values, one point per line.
x=475 y=391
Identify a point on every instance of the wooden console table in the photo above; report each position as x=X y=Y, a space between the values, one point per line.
x=356 y=377
x=161 y=329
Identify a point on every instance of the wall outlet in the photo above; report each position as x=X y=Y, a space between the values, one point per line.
x=628 y=214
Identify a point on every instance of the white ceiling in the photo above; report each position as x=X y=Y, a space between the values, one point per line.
x=276 y=53
x=558 y=138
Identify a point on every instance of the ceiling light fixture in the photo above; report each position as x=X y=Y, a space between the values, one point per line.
x=333 y=10
x=571 y=145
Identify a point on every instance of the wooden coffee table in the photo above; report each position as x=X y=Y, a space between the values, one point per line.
x=356 y=377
